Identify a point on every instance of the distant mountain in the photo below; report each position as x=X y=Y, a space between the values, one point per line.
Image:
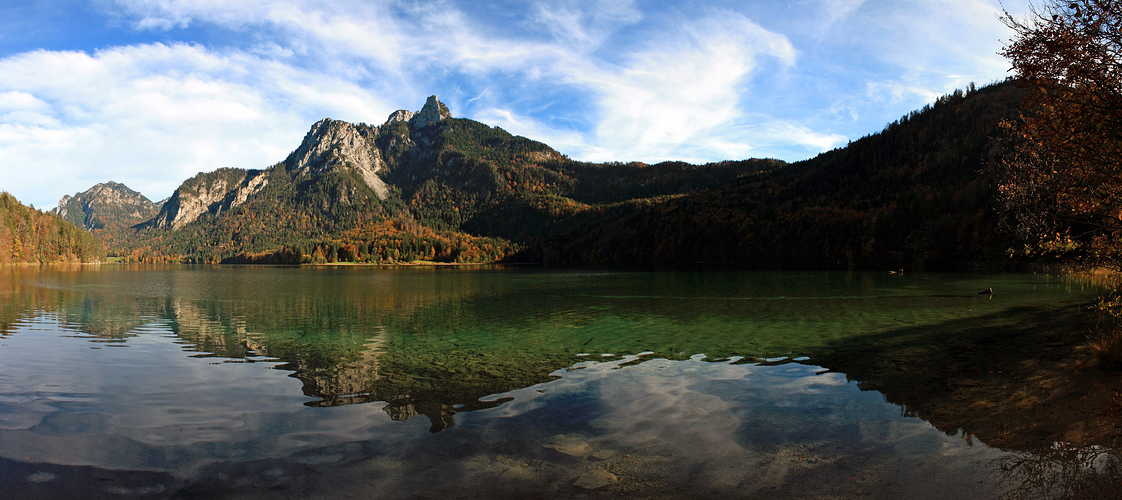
x=427 y=186
x=107 y=205
x=108 y=210
x=28 y=235
x=332 y=156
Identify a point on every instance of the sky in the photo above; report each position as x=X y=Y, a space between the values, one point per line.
x=152 y=92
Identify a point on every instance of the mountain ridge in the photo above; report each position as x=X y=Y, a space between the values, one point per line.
x=435 y=187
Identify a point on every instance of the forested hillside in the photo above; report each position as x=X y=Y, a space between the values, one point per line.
x=28 y=235
x=293 y=220
x=915 y=195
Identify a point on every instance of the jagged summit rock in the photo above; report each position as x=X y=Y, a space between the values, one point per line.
x=400 y=115
x=108 y=204
x=433 y=112
x=332 y=144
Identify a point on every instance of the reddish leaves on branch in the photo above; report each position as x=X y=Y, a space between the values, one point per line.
x=1061 y=181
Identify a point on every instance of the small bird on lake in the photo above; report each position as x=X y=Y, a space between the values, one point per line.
x=988 y=291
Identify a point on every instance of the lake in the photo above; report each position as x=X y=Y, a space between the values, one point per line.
x=470 y=382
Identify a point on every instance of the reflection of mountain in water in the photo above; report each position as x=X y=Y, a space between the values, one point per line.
x=338 y=343
x=329 y=330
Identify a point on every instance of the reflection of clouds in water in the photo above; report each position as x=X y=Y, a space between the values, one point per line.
x=734 y=427
x=662 y=407
x=158 y=411
x=697 y=410
x=651 y=408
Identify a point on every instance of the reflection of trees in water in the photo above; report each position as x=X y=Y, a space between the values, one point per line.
x=434 y=343
x=28 y=291
x=1011 y=380
x=1064 y=471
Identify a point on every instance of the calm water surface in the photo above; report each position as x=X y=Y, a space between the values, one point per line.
x=467 y=383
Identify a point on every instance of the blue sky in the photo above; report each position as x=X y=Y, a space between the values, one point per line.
x=151 y=92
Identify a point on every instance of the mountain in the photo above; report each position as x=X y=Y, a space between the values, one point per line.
x=107 y=205
x=300 y=209
x=29 y=235
x=423 y=185
x=108 y=210
x=428 y=186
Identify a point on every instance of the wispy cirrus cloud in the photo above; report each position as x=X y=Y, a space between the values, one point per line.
x=678 y=97
x=683 y=89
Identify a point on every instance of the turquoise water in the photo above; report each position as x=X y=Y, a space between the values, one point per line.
x=460 y=382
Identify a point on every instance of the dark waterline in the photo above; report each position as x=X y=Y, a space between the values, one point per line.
x=225 y=382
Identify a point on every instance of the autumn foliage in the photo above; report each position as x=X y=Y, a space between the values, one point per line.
x=28 y=235
x=1061 y=182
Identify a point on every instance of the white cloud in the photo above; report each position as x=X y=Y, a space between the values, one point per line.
x=777 y=133
x=930 y=48
x=585 y=25
x=678 y=98
x=19 y=101
x=905 y=90
x=837 y=10
x=567 y=142
x=153 y=115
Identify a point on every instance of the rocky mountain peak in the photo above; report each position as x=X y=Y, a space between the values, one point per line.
x=332 y=144
x=433 y=112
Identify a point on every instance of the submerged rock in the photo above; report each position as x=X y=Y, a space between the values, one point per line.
x=570 y=446
x=596 y=479
x=41 y=477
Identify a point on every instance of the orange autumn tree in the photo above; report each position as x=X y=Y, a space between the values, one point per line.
x=1060 y=183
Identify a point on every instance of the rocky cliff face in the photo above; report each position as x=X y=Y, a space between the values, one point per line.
x=109 y=204
x=332 y=144
x=335 y=145
x=213 y=192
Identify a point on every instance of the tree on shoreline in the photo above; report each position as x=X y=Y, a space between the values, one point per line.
x=1061 y=182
